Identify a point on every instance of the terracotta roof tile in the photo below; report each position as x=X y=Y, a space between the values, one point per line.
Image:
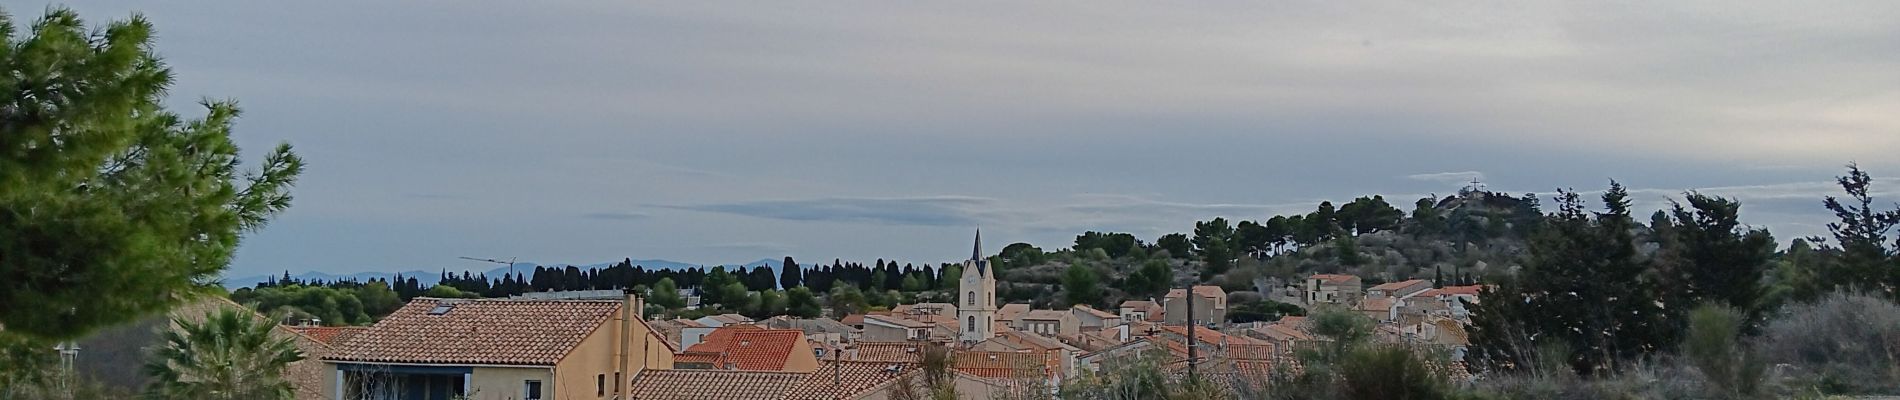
x=1046 y=315
x=1203 y=290
x=330 y=335
x=850 y=379
x=1095 y=312
x=1389 y=286
x=488 y=331
x=700 y=384
x=1138 y=304
x=1011 y=311
x=1334 y=278
x=745 y=347
x=889 y=351
x=901 y=322
x=1471 y=290
x=997 y=364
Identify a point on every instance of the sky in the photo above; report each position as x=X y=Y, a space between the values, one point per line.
x=726 y=132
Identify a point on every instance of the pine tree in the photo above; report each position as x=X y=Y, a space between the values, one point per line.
x=1584 y=289
x=1866 y=263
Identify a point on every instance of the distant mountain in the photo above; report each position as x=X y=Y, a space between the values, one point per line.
x=429 y=278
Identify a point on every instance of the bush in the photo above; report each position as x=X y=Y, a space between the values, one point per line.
x=1840 y=344
x=1389 y=372
x=1727 y=367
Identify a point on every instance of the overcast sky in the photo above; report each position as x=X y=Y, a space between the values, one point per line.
x=712 y=132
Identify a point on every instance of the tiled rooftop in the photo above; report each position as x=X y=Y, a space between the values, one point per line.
x=996 y=364
x=1389 y=286
x=889 y=351
x=744 y=347
x=850 y=379
x=330 y=335
x=1202 y=290
x=512 y=332
x=700 y=384
x=1334 y=278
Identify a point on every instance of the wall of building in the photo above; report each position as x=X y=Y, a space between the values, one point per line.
x=1205 y=309
x=497 y=383
x=595 y=356
x=879 y=333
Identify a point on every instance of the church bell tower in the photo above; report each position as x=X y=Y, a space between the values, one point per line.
x=976 y=305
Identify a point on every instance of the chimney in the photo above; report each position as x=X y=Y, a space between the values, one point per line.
x=630 y=308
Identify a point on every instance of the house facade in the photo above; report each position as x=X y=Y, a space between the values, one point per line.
x=498 y=349
x=1210 y=306
x=1332 y=289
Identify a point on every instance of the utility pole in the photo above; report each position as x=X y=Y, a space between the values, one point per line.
x=1188 y=295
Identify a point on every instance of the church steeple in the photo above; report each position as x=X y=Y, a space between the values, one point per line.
x=977 y=253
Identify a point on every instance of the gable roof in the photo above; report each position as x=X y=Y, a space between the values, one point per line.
x=998 y=364
x=811 y=326
x=850 y=379
x=889 y=351
x=704 y=384
x=1011 y=311
x=479 y=331
x=1210 y=336
x=1092 y=311
x=1202 y=290
x=329 y=335
x=1141 y=304
x=746 y=349
x=894 y=321
x=1469 y=290
x=1047 y=315
x=1395 y=286
x=1334 y=278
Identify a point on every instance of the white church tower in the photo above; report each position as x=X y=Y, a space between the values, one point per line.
x=976 y=310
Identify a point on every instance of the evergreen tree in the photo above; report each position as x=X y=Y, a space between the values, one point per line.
x=666 y=294
x=800 y=302
x=100 y=184
x=1176 y=244
x=790 y=275
x=1081 y=285
x=1710 y=257
x=1866 y=263
x=1214 y=242
x=1583 y=288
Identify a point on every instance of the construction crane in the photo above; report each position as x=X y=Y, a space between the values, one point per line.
x=510 y=262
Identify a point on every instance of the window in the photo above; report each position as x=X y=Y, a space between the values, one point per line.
x=600 y=385
x=969 y=299
x=531 y=390
x=972 y=324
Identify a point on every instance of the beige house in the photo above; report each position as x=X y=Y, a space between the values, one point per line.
x=1210 y=306
x=1051 y=322
x=498 y=349
x=1091 y=318
x=1140 y=310
x=1332 y=289
x=1011 y=314
x=885 y=328
x=1398 y=290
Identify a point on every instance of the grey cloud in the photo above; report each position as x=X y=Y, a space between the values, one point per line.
x=1448 y=177
x=927 y=211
